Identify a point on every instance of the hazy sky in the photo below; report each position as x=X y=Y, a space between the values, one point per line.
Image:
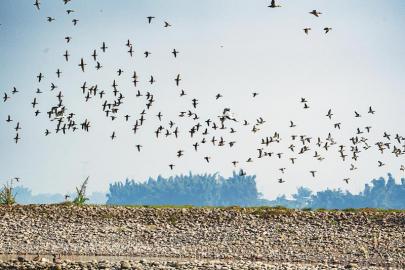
x=230 y=47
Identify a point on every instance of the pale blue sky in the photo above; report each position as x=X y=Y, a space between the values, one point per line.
x=359 y=63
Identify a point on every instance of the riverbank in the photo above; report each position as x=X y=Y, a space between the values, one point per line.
x=360 y=239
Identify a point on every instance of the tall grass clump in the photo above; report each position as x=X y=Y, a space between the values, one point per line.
x=81 y=193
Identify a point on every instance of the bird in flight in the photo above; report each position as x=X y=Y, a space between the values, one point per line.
x=273 y=4
x=5 y=97
x=167 y=24
x=177 y=79
x=17 y=138
x=306 y=30
x=174 y=52
x=327 y=29
x=329 y=114
x=37 y=4
x=150 y=18
x=66 y=55
x=104 y=47
x=82 y=64
x=9 y=119
x=40 y=76
x=315 y=13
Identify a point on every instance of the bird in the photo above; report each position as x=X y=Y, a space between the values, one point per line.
x=315 y=13
x=306 y=30
x=15 y=91
x=292 y=124
x=40 y=77
x=66 y=55
x=58 y=73
x=9 y=119
x=34 y=103
x=313 y=173
x=327 y=29
x=254 y=94
x=68 y=39
x=218 y=96
x=17 y=127
x=146 y=53
x=273 y=4
x=346 y=180
x=37 y=4
x=113 y=136
x=75 y=21
x=174 y=52
x=380 y=163
x=138 y=147
x=50 y=19
x=150 y=19
x=16 y=138
x=329 y=114
x=171 y=166
x=5 y=97
x=103 y=47
x=167 y=24
x=82 y=64
x=370 y=110
x=177 y=79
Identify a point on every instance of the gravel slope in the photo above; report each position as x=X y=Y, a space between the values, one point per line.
x=273 y=236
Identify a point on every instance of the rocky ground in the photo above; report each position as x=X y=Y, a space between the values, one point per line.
x=201 y=238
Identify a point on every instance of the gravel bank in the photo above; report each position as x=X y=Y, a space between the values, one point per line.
x=259 y=237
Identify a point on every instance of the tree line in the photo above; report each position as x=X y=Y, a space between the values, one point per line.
x=215 y=190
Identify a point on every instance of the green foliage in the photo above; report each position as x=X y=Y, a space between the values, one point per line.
x=81 y=193
x=196 y=190
x=7 y=197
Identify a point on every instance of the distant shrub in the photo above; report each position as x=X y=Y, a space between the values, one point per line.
x=7 y=197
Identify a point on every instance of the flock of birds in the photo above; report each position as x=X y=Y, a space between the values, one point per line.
x=204 y=131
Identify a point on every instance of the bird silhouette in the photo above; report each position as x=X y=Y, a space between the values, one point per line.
x=150 y=19
x=273 y=4
x=315 y=13
x=327 y=29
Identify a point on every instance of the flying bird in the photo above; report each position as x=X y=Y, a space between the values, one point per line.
x=327 y=29
x=315 y=13
x=273 y=4
x=150 y=18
